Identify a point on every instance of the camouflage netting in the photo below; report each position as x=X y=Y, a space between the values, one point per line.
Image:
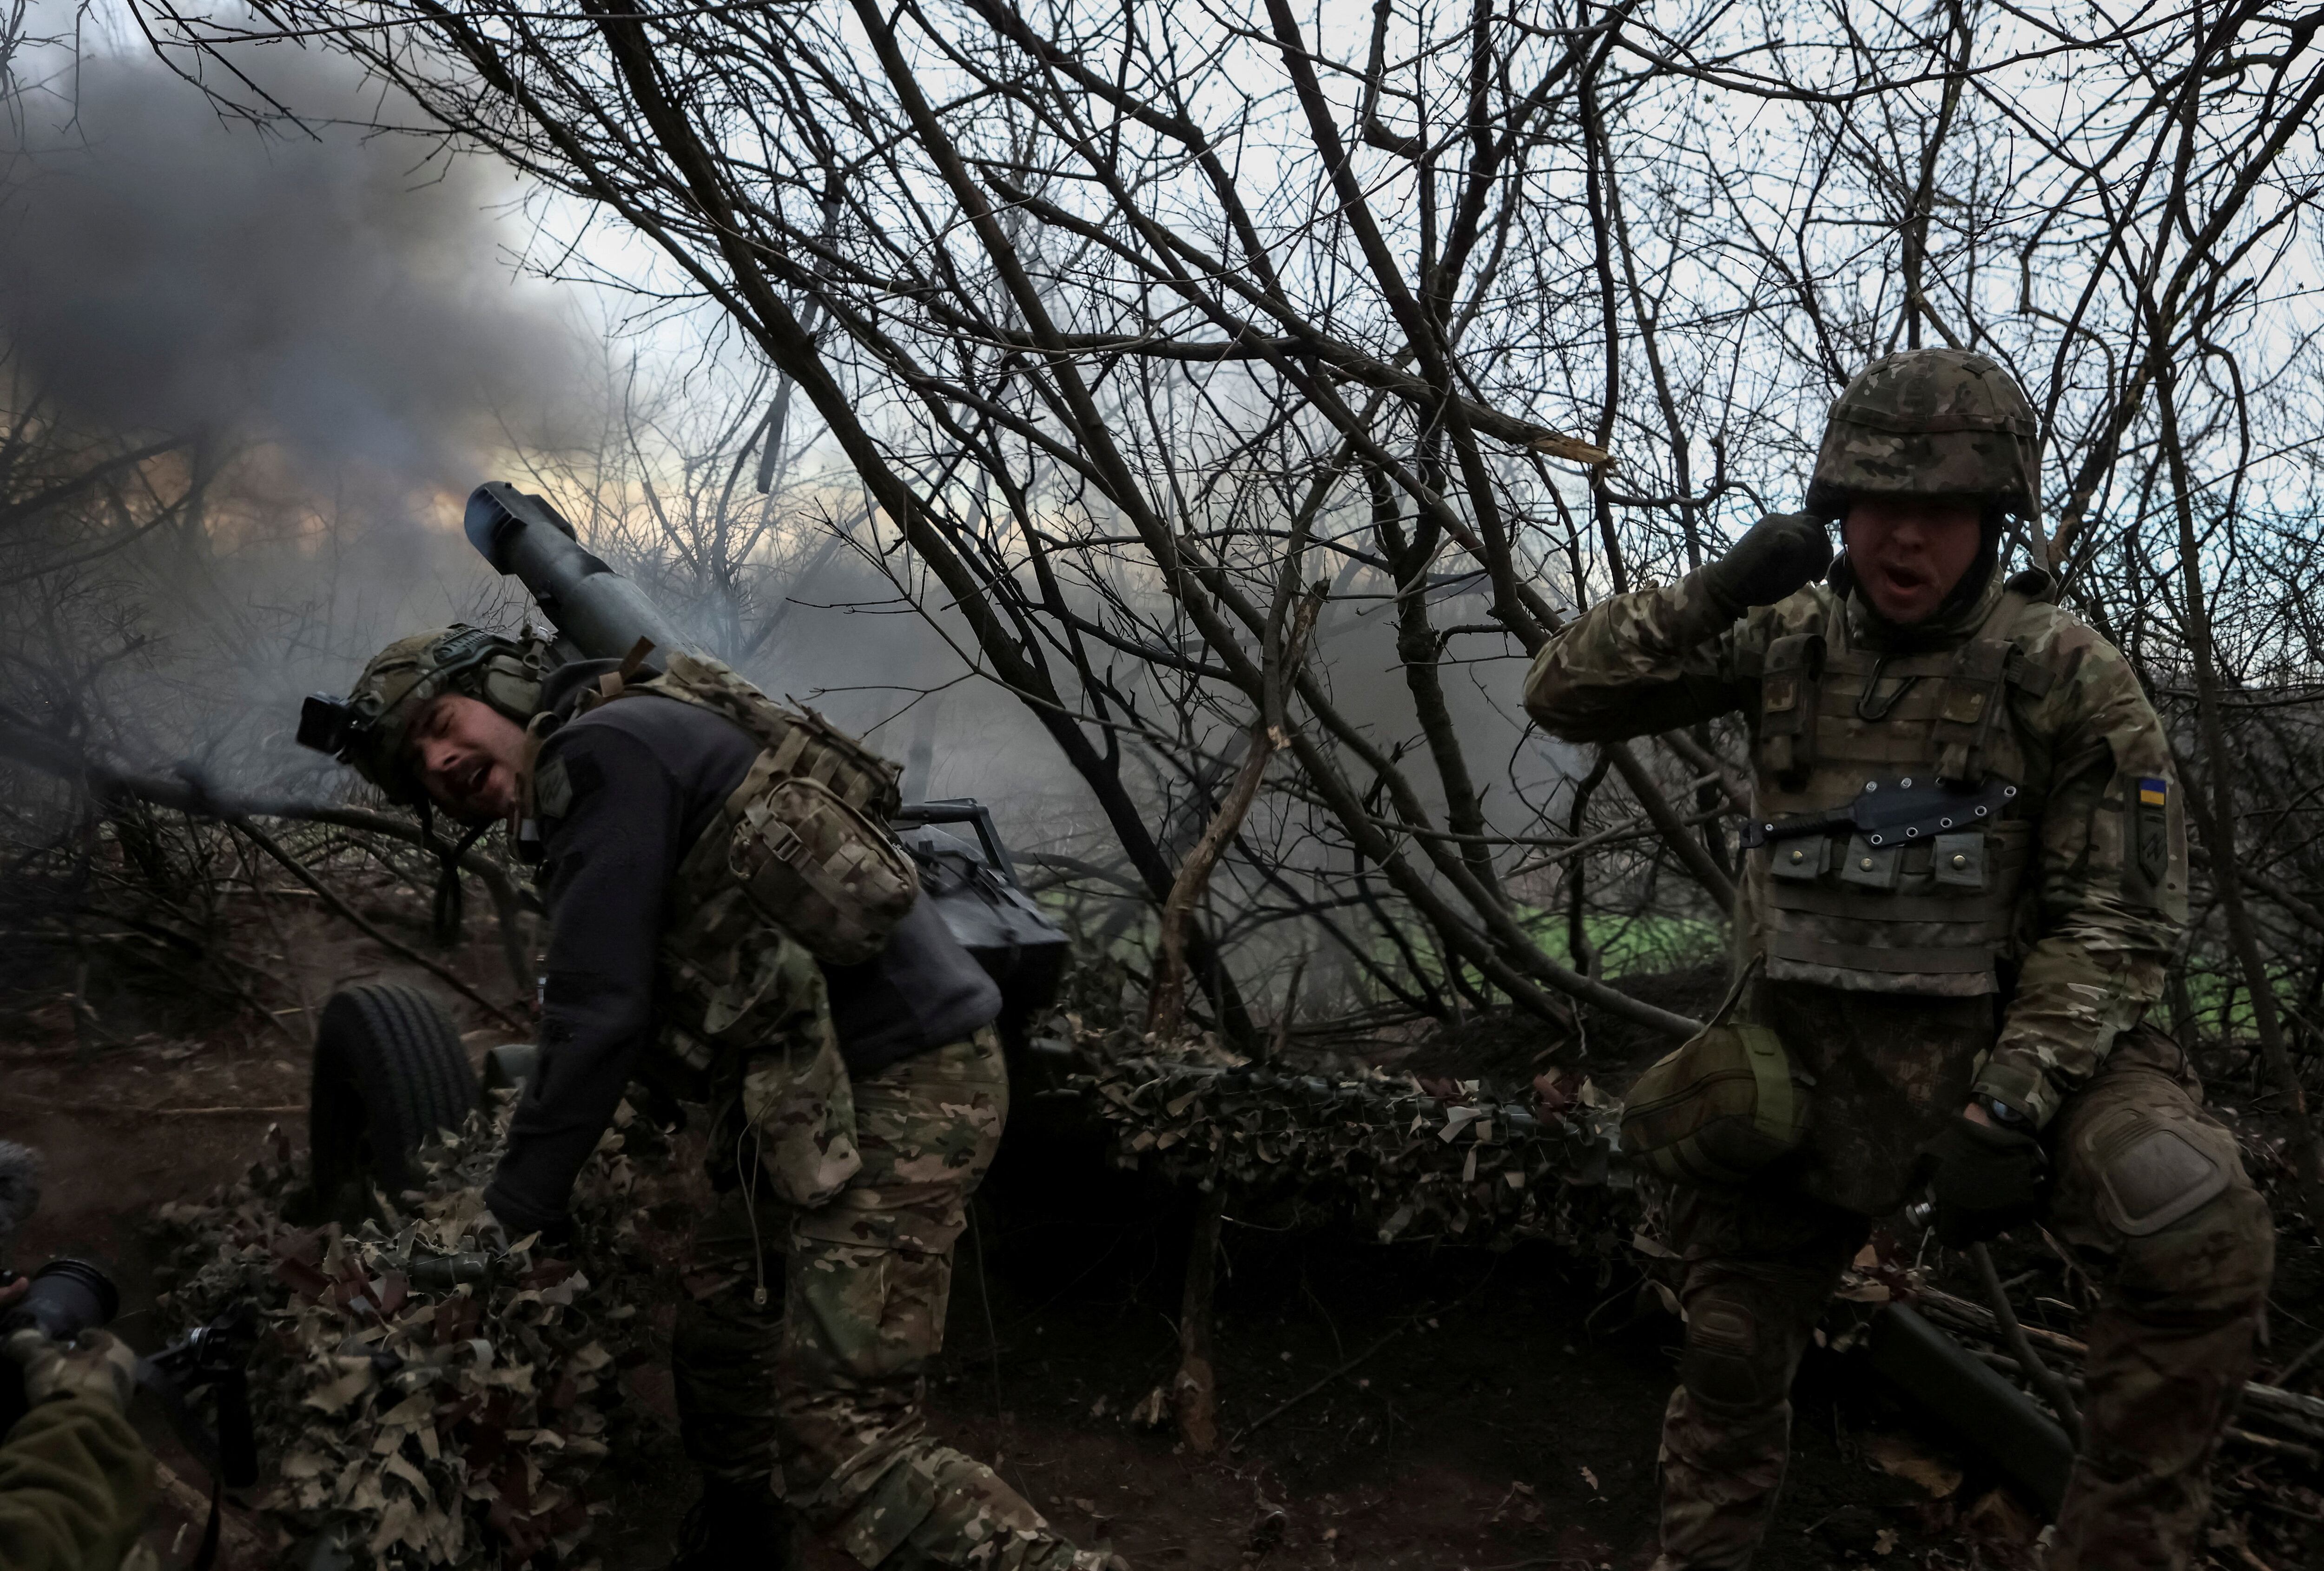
x=427 y=1423
x=1407 y=1158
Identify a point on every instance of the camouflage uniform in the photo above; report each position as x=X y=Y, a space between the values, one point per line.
x=75 y=1483
x=821 y=1381
x=2015 y=963
x=852 y=1188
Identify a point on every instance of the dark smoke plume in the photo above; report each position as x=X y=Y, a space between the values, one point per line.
x=161 y=270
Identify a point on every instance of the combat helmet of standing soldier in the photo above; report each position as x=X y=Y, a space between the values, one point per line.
x=1957 y=971
x=730 y=925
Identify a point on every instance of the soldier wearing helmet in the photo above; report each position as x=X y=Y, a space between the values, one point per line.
x=1956 y=972
x=854 y=1077
x=373 y=729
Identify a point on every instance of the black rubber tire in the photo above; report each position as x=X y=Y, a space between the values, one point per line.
x=390 y=1072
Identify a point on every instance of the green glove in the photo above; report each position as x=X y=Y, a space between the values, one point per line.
x=1983 y=1179
x=1777 y=555
x=95 y=1363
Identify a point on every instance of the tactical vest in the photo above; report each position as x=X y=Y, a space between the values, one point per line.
x=1925 y=902
x=801 y=845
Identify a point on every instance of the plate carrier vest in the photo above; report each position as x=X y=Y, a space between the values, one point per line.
x=1933 y=913
x=801 y=844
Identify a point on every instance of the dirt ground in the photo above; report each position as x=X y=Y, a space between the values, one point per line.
x=1401 y=1406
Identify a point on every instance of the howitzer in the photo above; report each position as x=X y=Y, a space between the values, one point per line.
x=600 y=615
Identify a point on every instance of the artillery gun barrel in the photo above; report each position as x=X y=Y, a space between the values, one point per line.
x=600 y=614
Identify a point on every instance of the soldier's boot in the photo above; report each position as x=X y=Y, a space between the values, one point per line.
x=907 y=1502
x=737 y=1525
x=976 y=1520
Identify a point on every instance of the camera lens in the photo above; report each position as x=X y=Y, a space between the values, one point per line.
x=68 y=1298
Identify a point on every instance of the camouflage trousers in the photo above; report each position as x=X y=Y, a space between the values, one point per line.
x=2150 y=1196
x=819 y=1388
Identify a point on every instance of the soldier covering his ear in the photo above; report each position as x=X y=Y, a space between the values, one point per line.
x=844 y=1045
x=1959 y=972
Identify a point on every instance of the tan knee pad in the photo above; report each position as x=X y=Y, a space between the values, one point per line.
x=1728 y=1362
x=2168 y=1191
x=2152 y=1170
x=2214 y=1264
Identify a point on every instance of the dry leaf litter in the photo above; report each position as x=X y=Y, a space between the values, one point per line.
x=418 y=1422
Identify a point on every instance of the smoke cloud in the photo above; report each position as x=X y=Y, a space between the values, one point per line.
x=163 y=270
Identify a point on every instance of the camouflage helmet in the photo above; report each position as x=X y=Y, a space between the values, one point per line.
x=367 y=729
x=1929 y=423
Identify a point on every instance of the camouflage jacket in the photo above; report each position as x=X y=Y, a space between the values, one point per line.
x=2095 y=928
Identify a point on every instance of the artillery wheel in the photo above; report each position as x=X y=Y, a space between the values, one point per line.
x=390 y=1072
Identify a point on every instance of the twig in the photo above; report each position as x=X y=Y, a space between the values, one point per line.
x=1194 y=1393
x=1285 y=1406
x=2302 y=1412
x=2308 y=1454
x=1166 y=1003
x=1290 y=1011
x=266 y=843
x=240 y=1542
x=2283 y=1376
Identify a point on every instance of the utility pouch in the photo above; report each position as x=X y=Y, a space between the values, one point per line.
x=802 y=837
x=1719 y=1109
x=815 y=866
x=1788 y=697
x=801 y=1112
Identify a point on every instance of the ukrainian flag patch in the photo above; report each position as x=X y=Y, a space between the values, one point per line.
x=2154 y=793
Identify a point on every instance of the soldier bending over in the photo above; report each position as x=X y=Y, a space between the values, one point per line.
x=1962 y=1007
x=855 y=1105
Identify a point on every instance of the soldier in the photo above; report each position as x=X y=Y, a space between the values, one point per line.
x=855 y=1106
x=76 y=1482
x=1962 y=1007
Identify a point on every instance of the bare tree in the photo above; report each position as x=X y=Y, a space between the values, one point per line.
x=1134 y=325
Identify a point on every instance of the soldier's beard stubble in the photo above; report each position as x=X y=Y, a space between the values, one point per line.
x=468 y=754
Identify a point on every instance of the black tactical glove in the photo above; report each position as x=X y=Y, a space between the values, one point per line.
x=1775 y=556
x=1984 y=1180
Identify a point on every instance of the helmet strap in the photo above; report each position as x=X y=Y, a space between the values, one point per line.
x=451 y=900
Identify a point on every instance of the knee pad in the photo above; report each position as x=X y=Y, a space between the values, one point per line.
x=1727 y=1360
x=2152 y=1171
x=2191 y=1231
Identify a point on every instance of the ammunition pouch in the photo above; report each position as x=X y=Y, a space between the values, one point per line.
x=815 y=866
x=1787 y=706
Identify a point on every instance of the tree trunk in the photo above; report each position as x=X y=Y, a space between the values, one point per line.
x=1194 y=1393
x=1166 y=1004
